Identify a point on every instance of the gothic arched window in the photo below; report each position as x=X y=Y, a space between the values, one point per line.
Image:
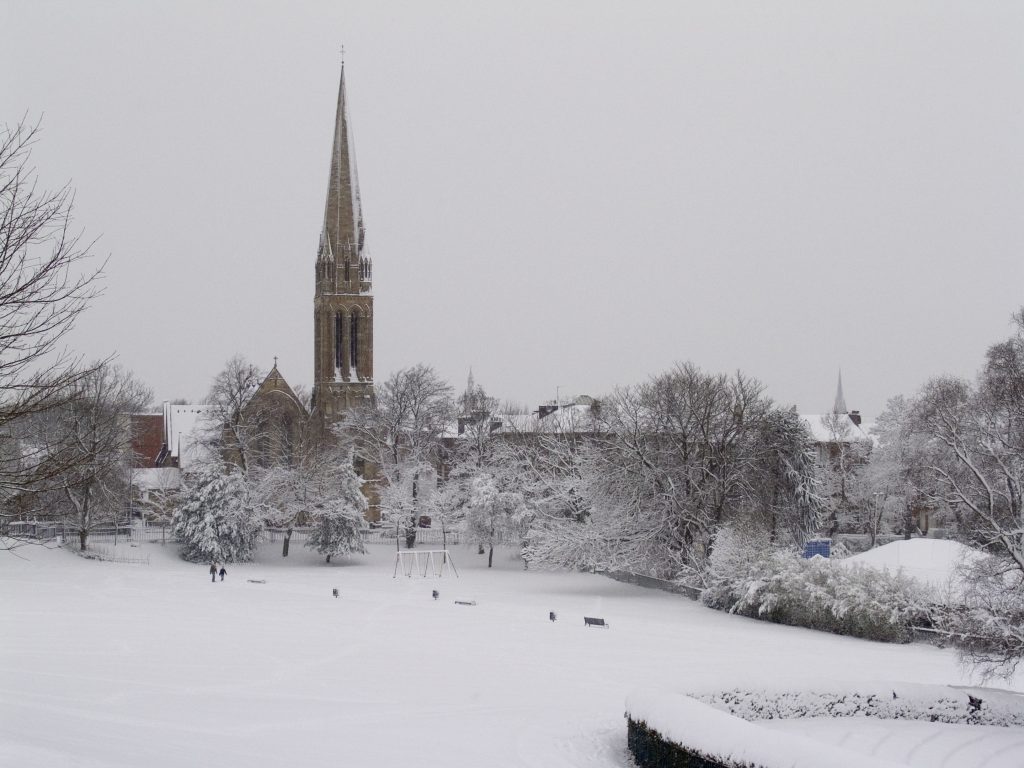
x=339 y=347
x=353 y=340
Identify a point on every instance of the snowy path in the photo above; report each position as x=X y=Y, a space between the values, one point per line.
x=118 y=665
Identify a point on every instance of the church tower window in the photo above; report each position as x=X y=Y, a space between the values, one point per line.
x=353 y=340
x=339 y=348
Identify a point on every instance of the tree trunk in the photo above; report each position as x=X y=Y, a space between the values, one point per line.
x=490 y=557
x=287 y=541
x=410 y=533
x=82 y=536
x=328 y=558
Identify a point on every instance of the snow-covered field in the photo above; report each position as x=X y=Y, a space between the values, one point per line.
x=119 y=665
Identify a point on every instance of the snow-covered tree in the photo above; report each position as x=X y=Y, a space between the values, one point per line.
x=215 y=520
x=447 y=506
x=338 y=515
x=400 y=434
x=87 y=443
x=495 y=514
x=974 y=458
x=841 y=471
x=662 y=468
x=288 y=486
x=474 y=449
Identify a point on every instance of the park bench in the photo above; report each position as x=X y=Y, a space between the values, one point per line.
x=592 y=622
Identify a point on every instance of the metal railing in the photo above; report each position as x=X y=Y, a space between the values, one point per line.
x=423 y=536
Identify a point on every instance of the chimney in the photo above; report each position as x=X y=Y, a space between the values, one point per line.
x=855 y=417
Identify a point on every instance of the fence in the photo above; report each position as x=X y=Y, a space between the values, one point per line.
x=163 y=534
x=110 y=554
x=423 y=536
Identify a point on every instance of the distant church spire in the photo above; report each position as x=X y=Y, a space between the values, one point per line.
x=343 y=231
x=840 y=404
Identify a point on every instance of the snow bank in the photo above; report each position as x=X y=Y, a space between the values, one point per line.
x=932 y=561
x=724 y=739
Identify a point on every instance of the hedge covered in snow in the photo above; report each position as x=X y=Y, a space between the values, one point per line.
x=782 y=587
x=671 y=729
x=719 y=729
x=933 y=703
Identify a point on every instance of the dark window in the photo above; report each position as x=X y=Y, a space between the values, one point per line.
x=339 y=348
x=353 y=341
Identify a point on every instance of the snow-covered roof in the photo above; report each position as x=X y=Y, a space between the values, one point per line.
x=156 y=478
x=185 y=426
x=845 y=430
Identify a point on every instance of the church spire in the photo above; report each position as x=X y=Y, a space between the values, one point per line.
x=840 y=404
x=343 y=231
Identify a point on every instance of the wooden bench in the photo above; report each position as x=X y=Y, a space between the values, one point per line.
x=592 y=622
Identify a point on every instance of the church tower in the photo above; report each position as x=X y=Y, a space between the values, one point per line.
x=343 y=298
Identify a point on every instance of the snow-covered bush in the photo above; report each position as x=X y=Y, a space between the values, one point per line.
x=214 y=520
x=782 y=587
x=883 y=701
x=987 y=625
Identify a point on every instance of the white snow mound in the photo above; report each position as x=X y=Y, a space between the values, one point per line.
x=932 y=561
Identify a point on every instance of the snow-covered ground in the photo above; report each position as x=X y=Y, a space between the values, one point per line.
x=119 y=665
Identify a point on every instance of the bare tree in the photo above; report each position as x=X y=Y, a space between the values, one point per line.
x=400 y=434
x=234 y=433
x=47 y=279
x=88 y=438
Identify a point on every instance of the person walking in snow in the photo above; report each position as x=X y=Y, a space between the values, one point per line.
x=213 y=571
x=223 y=572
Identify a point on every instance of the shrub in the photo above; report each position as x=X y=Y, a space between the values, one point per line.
x=782 y=587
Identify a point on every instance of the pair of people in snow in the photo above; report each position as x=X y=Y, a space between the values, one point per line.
x=214 y=572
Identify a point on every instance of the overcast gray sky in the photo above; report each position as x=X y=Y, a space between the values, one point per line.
x=568 y=195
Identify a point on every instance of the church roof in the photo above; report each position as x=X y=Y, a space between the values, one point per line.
x=343 y=216
x=275 y=383
x=836 y=427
